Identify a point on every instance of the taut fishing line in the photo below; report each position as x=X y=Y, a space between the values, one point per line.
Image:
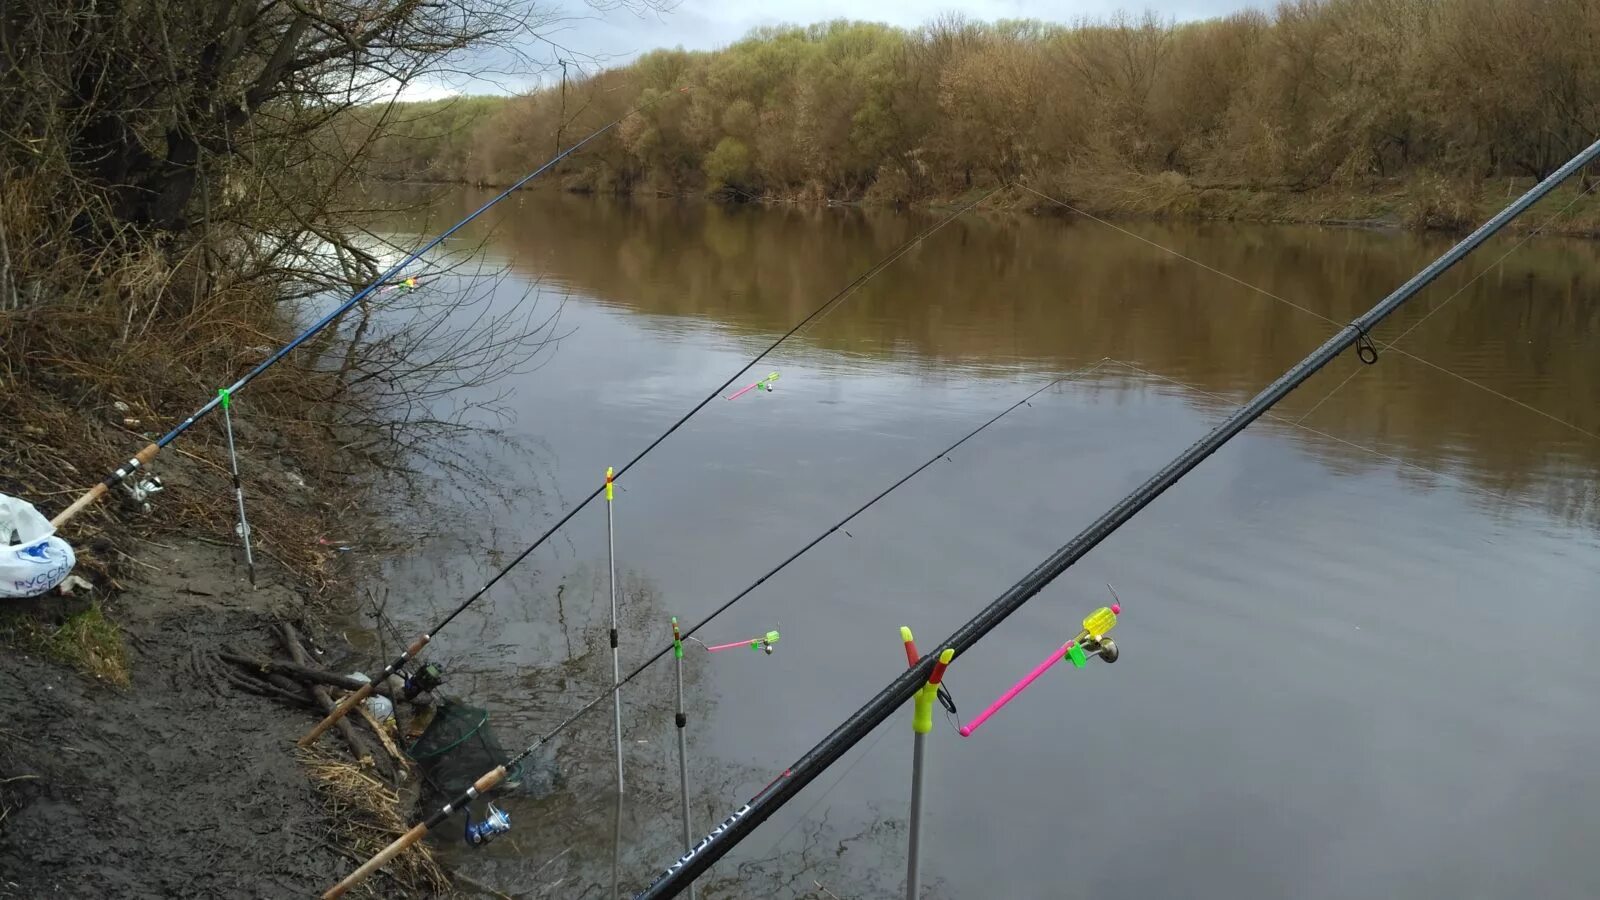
x=737 y=826
x=1532 y=233
x=422 y=640
x=1292 y=423
x=1363 y=335
x=381 y=283
x=492 y=778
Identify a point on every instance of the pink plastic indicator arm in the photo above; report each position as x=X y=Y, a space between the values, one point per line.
x=1019 y=687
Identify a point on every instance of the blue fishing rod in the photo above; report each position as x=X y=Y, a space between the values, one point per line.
x=144 y=456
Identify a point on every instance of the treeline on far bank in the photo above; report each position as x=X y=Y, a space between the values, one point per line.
x=1423 y=107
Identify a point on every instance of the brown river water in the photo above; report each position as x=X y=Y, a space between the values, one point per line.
x=1354 y=653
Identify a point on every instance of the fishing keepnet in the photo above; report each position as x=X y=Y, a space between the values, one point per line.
x=457 y=747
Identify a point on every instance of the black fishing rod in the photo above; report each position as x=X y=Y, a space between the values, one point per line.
x=422 y=640
x=744 y=820
x=144 y=457
x=493 y=777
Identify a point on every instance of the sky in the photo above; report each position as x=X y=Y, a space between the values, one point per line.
x=612 y=37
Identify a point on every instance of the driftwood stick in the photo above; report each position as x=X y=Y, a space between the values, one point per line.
x=302 y=673
x=255 y=686
x=291 y=643
x=282 y=681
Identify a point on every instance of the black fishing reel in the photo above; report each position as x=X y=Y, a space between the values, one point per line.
x=425 y=677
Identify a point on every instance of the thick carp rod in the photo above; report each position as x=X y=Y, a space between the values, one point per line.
x=383 y=282
x=350 y=700
x=677 y=877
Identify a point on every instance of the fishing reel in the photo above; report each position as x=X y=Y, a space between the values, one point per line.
x=424 y=678
x=494 y=823
x=138 y=492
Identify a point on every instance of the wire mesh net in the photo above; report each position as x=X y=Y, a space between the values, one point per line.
x=457 y=747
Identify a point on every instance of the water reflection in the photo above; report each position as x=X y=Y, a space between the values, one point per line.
x=995 y=293
x=1307 y=705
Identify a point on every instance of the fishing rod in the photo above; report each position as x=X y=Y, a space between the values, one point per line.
x=381 y=284
x=496 y=775
x=351 y=700
x=744 y=820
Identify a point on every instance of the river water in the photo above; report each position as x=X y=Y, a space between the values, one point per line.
x=1353 y=649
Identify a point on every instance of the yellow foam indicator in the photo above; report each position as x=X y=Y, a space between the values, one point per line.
x=1099 y=622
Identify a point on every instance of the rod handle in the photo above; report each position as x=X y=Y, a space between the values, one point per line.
x=378 y=861
x=483 y=785
x=142 y=458
x=338 y=712
x=349 y=702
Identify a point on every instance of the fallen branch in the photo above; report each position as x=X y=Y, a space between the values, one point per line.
x=291 y=643
x=302 y=673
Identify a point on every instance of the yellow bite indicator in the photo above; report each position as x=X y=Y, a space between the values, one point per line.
x=1099 y=622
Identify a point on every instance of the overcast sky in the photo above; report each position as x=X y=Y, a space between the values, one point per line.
x=618 y=35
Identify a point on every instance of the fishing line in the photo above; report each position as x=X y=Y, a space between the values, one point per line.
x=893 y=696
x=1459 y=291
x=806 y=816
x=493 y=777
x=382 y=282
x=689 y=634
x=422 y=640
x=1456 y=479
x=1334 y=322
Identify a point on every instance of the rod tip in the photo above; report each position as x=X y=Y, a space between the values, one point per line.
x=905 y=634
x=965 y=730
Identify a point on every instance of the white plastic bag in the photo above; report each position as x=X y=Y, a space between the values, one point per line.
x=32 y=559
x=381 y=707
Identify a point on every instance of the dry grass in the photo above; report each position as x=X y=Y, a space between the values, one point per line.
x=368 y=816
x=88 y=395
